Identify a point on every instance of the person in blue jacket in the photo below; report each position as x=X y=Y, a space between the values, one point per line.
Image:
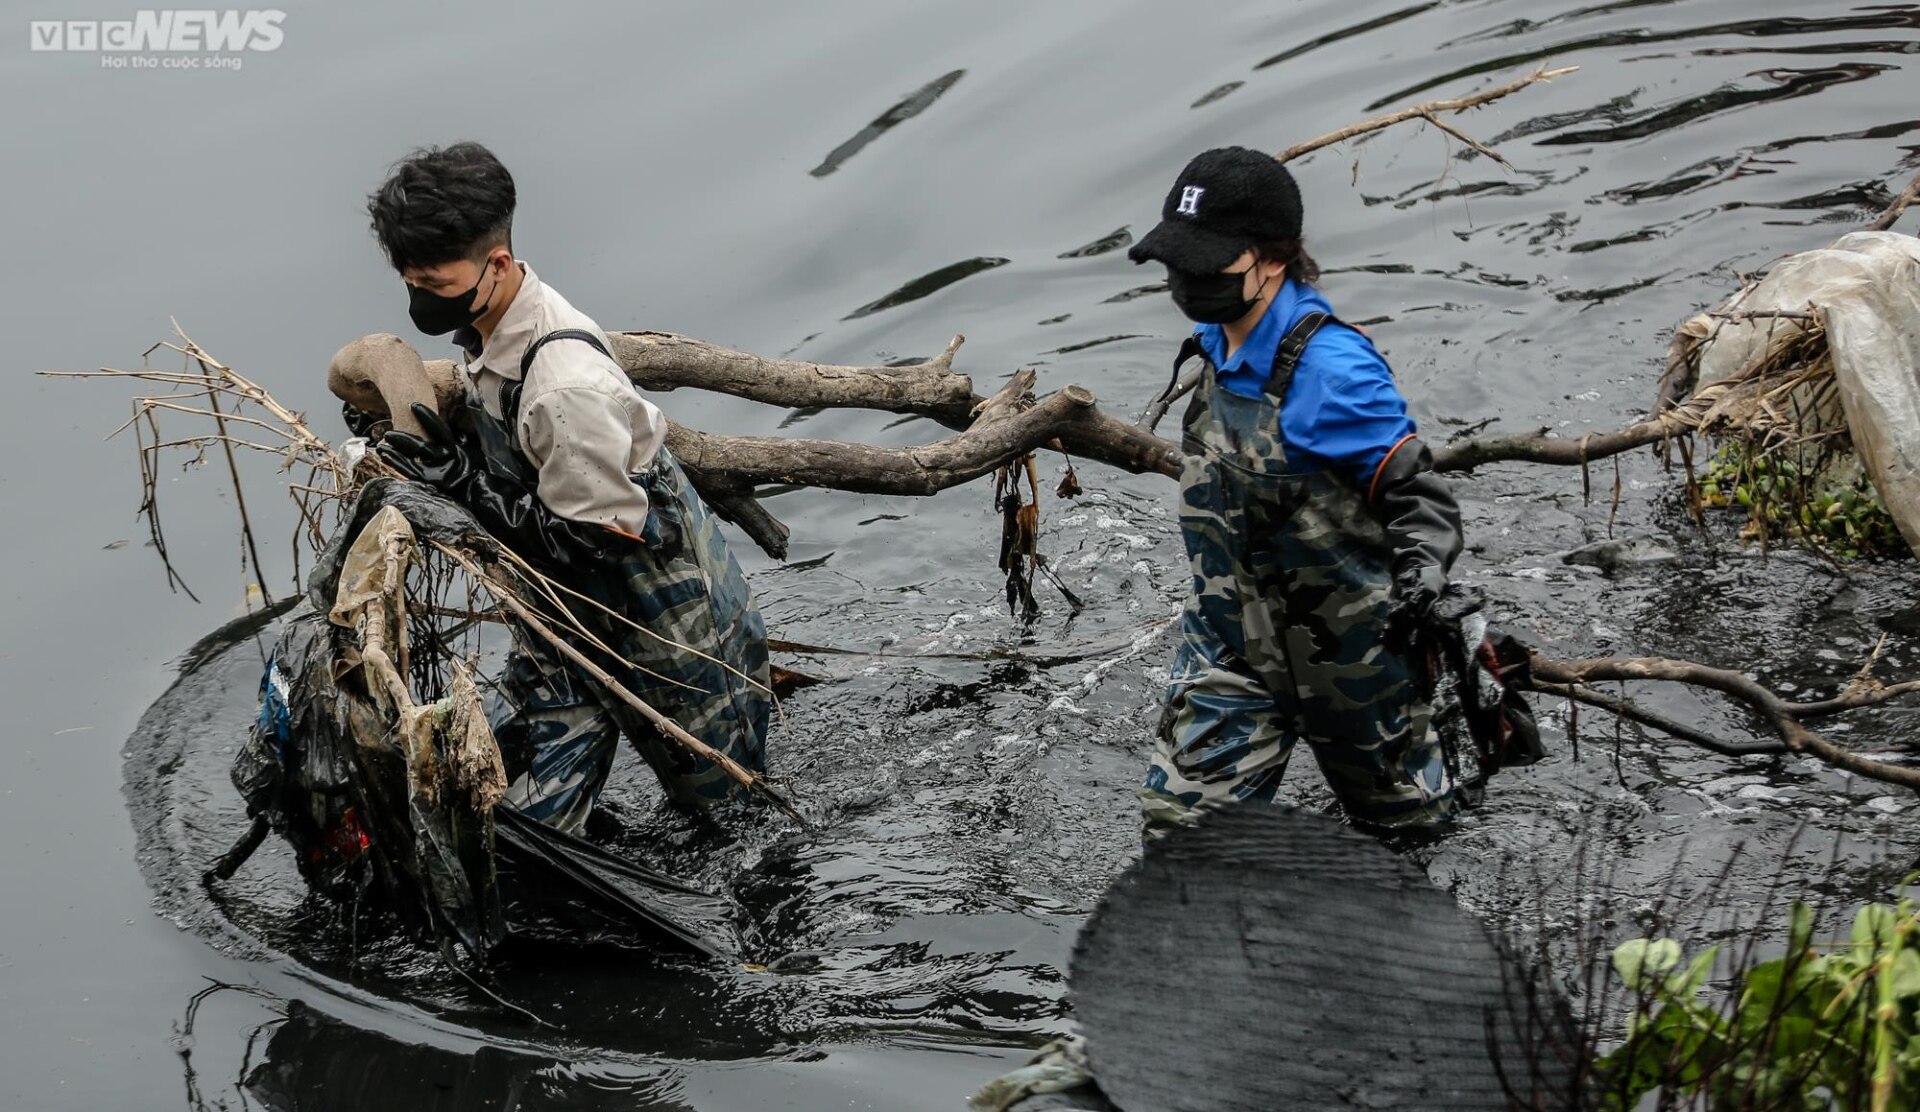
x=1320 y=537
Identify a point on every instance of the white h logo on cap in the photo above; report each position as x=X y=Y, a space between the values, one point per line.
x=1190 y=200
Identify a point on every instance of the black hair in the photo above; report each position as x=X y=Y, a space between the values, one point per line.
x=1293 y=253
x=441 y=204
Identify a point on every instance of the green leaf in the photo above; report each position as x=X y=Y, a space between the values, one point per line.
x=1805 y=1031
x=1904 y=976
x=1909 y=1058
x=1685 y=985
x=1872 y=932
x=1759 y=991
x=1793 y=1036
x=1643 y=963
x=1634 y=1069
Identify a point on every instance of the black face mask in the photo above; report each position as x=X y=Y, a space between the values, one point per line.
x=438 y=314
x=1212 y=298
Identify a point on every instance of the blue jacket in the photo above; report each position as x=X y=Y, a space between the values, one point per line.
x=1343 y=412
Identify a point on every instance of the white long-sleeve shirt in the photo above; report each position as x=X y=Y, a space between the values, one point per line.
x=582 y=424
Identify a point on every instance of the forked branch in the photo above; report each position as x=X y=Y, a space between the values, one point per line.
x=1783 y=718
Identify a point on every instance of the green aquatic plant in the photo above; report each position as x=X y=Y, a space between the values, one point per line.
x=1819 y=1028
x=1817 y=500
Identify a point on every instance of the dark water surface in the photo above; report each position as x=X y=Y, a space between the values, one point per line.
x=857 y=182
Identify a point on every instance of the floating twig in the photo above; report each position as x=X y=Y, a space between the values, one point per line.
x=1429 y=112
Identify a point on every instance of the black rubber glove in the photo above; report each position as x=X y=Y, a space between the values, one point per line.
x=439 y=460
x=1423 y=529
x=1416 y=591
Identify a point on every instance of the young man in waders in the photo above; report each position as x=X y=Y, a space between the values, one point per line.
x=558 y=457
x=1319 y=535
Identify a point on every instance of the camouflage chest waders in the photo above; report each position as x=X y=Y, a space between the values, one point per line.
x=557 y=728
x=1281 y=639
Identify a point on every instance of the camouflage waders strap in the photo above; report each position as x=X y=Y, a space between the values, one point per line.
x=1189 y=348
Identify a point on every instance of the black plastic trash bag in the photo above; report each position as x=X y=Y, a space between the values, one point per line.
x=319 y=768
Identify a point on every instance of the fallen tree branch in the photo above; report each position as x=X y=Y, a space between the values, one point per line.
x=1861 y=693
x=663 y=361
x=1542 y=447
x=1469 y=140
x=1626 y=708
x=1426 y=112
x=1010 y=424
x=738 y=504
x=1705 y=409
x=1891 y=214
x=1781 y=715
x=931 y=389
x=727 y=469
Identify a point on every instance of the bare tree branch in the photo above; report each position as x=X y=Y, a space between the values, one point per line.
x=1780 y=714
x=662 y=361
x=1707 y=408
x=1010 y=424
x=726 y=469
x=1861 y=693
x=1426 y=111
x=1542 y=447
x=1626 y=708
x=1891 y=214
x=1467 y=139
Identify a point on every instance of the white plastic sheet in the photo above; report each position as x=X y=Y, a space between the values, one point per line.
x=1866 y=290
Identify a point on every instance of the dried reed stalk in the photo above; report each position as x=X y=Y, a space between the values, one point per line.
x=277 y=430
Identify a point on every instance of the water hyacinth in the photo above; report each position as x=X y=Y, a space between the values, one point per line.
x=1827 y=504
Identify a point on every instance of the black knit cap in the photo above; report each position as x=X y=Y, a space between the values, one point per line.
x=1225 y=201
